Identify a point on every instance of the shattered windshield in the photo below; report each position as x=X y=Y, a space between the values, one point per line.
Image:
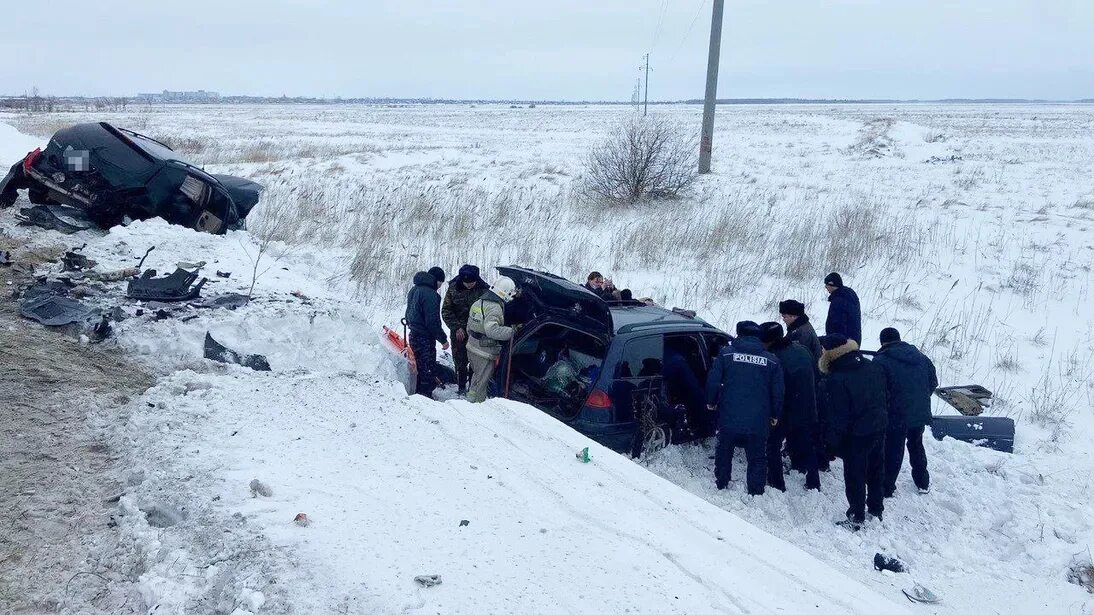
x=155 y=148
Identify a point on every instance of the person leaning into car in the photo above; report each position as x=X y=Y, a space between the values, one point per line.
x=487 y=329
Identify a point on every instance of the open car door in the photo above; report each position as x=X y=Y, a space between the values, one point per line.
x=562 y=298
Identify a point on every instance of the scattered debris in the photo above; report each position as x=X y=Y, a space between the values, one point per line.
x=5 y=258
x=302 y=520
x=61 y=218
x=218 y=352
x=583 y=455
x=74 y=260
x=229 y=301
x=968 y=399
x=224 y=274
x=892 y=564
x=464 y=523
x=428 y=580
x=54 y=310
x=190 y=265
x=179 y=286
x=922 y=595
x=259 y=488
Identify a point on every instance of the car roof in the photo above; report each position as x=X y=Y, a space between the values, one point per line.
x=628 y=318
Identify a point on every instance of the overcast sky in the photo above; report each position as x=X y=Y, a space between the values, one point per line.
x=555 y=49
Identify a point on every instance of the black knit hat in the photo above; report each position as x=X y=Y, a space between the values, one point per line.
x=747 y=328
x=438 y=273
x=889 y=335
x=771 y=332
x=832 y=340
x=792 y=307
x=833 y=279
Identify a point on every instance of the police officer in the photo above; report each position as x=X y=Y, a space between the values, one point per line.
x=746 y=386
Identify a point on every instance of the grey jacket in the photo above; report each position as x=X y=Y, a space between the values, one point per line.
x=486 y=326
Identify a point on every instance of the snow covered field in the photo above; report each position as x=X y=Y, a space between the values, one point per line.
x=968 y=227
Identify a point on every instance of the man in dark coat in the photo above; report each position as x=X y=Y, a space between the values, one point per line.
x=799 y=410
x=844 y=311
x=912 y=380
x=746 y=386
x=800 y=329
x=423 y=320
x=857 y=402
x=462 y=292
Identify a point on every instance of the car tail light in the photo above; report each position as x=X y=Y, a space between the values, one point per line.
x=31 y=158
x=598 y=399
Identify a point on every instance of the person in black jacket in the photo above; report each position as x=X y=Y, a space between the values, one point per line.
x=799 y=410
x=912 y=380
x=844 y=311
x=799 y=328
x=746 y=386
x=423 y=320
x=857 y=401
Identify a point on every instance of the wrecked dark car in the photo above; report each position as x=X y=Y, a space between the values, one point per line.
x=627 y=374
x=112 y=175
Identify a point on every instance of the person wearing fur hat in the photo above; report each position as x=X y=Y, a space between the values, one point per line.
x=799 y=410
x=856 y=396
x=844 y=310
x=799 y=328
x=746 y=387
x=912 y=380
x=461 y=294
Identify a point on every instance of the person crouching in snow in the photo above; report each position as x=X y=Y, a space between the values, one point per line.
x=745 y=385
x=461 y=294
x=423 y=320
x=857 y=401
x=486 y=326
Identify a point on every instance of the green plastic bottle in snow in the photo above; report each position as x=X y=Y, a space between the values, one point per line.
x=583 y=455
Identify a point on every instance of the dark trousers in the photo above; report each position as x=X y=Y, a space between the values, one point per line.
x=820 y=447
x=803 y=456
x=425 y=359
x=895 y=441
x=459 y=357
x=864 y=475
x=755 y=446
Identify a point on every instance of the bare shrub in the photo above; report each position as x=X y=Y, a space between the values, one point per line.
x=643 y=159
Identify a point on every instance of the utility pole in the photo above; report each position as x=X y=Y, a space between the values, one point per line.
x=646 y=104
x=706 y=140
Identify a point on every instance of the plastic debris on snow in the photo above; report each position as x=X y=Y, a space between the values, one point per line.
x=922 y=595
x=302 y=520
x=428 y=580
x=216 y=351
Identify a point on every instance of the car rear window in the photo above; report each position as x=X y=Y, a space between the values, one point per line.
x=157 y=150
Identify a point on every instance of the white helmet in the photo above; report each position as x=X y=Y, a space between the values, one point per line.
x=505 y=288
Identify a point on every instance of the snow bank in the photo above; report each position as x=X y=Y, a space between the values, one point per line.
x=14 y=145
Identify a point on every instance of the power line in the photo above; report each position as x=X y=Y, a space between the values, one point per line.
x=660 y=23
x=694 y=20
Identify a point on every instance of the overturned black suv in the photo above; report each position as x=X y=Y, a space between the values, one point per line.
x=110 y=174
x=627 y=374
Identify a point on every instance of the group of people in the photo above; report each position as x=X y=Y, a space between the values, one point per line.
x=474 y=312
x=822 y=398
x=774 y=386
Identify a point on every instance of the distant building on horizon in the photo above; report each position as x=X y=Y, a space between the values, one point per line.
x=167 y=96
